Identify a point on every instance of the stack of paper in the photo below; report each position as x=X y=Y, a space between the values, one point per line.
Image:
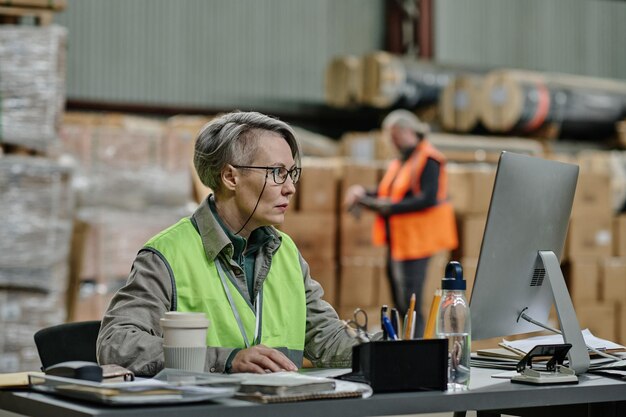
x=511 y=352
x=141 y=391
x=524 y=346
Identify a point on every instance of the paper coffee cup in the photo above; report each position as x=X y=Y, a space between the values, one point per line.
x=182 y=329
x=184 y=340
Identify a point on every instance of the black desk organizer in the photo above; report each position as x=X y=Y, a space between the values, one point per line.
x=406 y=365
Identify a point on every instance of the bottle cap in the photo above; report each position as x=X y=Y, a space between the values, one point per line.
x=453 y=279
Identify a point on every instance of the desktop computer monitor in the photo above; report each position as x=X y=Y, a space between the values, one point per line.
x=518 y=269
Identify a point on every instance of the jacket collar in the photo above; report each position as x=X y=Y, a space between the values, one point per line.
x=214 y=239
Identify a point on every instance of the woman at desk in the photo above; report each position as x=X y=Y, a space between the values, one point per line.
x=251 y=162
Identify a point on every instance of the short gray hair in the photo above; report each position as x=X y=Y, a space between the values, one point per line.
x=231 y=139
x=406 y=119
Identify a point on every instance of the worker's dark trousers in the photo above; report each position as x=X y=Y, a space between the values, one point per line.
x=407 y=277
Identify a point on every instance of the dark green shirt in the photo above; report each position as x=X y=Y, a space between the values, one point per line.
x=244 y=252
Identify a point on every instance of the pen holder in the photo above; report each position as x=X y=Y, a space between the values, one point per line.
x=407 y=365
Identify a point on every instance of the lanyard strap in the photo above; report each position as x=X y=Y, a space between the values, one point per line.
x=258 y=302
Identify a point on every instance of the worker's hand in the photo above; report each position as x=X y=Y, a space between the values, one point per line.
x=354 y=194
x=261 y=359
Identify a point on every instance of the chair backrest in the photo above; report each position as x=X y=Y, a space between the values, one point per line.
x=67 y=342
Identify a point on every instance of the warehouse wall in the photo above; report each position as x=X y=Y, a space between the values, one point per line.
x=214 y=53
x=574 y=36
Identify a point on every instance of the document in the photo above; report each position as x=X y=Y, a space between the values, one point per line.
x=525 y=345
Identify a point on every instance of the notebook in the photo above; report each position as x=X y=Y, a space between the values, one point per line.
x=342 y=389
x=284 y=383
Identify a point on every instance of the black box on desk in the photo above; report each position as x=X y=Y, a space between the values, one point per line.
x=406 y=365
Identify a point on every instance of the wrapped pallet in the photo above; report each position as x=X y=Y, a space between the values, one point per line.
x=37 y=205
x=36 y=202
x=32 y=85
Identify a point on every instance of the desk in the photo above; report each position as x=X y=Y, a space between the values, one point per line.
x=594 y=396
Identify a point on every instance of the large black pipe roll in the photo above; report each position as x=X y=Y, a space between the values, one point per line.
x=523 y=102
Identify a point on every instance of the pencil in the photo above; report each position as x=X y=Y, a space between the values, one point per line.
x=407 y=330
x=431 y=324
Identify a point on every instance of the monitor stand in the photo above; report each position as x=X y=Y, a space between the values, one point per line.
x=578 y=354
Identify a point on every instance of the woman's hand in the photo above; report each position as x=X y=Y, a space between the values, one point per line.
x=261 y=359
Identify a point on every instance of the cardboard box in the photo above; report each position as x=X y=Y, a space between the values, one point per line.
x=459 y=188
x=613 y=280
x=359 y=146
x=385 y=295
x=353 y=173
x=355 y=237
x=92 y=306
x=472 y=230
x=470 y=188
x=181 y=132
x=582 y=280
x=469 y=273
x=599 y=318
x=367 y=146
x=325 y=272
x=619 y=235
x=620 y=317
x=589 y=238
x=315 y=234
x=318 y=187
x=358 y=285
x=593 y=196
x=115 y=236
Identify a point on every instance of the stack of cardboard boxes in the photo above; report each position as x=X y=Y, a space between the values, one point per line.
x=133 y=181
x=362 y=282
x=595 y=267
x=312 y=222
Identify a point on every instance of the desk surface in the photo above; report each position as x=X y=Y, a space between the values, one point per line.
x=485 y=393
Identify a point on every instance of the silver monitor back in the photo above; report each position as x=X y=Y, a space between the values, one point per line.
x=529 y=212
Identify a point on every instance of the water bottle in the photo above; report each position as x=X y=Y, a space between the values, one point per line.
x=454 y=324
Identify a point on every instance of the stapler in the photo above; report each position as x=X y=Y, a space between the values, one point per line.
x=89 y=371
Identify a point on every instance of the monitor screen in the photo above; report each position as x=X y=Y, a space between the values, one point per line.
x=529 y=212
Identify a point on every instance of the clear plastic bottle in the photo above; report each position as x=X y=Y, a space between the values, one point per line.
x=454 y=324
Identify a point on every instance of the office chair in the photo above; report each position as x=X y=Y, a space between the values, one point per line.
x=67 y=342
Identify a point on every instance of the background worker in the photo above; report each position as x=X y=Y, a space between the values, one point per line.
x=414 y=218
x=275 y=315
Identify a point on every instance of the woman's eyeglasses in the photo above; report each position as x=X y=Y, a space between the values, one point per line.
x=279 y=174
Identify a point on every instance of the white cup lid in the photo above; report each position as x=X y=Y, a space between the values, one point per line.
x=184 y=319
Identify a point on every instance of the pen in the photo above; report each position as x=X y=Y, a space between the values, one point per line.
x=405 y=323
x=395 y=321
x=408 y=331
x=383 y=315
x=387 y=326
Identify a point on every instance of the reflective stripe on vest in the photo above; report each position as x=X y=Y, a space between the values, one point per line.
x=199 y=288
x=422 y=233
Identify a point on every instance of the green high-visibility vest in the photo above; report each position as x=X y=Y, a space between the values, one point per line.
x=199 y=288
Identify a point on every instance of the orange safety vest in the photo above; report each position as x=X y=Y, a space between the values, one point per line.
x=421 y=233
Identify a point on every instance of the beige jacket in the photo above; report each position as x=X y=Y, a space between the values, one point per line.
x=130 y=335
